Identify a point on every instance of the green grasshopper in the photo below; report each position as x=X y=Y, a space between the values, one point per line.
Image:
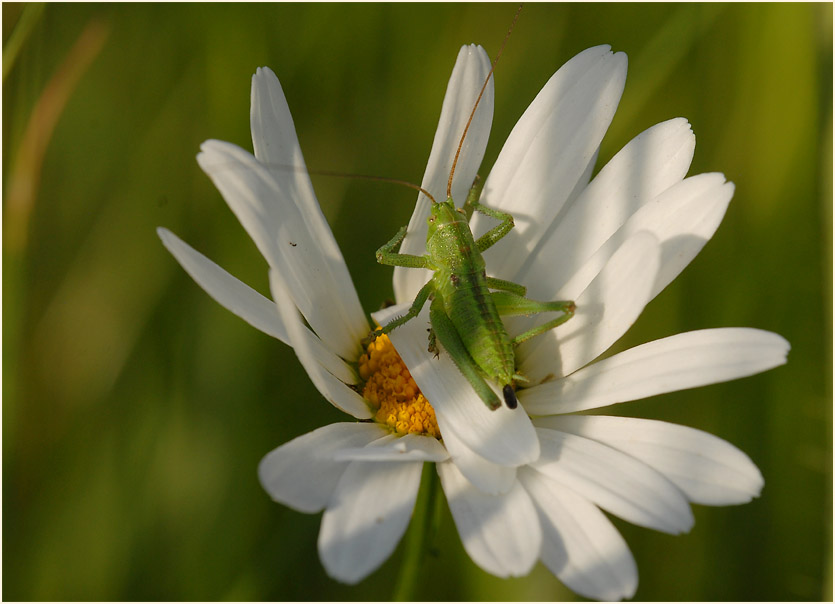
x=464 y=314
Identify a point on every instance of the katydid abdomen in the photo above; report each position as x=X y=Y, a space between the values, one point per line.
x=469 y=305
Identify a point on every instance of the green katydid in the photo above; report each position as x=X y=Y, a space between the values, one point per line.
x=465 y=316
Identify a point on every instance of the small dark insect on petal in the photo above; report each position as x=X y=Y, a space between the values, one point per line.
x=510 y=396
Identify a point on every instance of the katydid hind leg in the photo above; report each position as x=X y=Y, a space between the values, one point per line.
x=510 y=304
x=540 y=329
x=448 y=336
x=507 y=286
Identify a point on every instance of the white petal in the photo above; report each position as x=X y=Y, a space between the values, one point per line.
x=229 y=292
x=273 y=132
x=283 y=223
x=311 y=344
x=310 y=352
x=605 y=310
x=486 y=476
x=702 y=201
x=616 y=482
x=504 y=436
x=648 y=165
x=366 y=517
x=579 y=544
x=581 y=185
x=686 y=360
x=468 y=76
x=683 y=218
x=709 y=470
x=411 y=447
x=277 y=148
x=302 y=473
x=548 y=152
x=501 y=533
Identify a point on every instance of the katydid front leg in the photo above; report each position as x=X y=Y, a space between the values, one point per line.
x=472 y=197
x=497 y=232
x=414 y=310
x=387 y=255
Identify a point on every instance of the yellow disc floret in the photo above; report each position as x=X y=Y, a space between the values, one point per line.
x=392 y=391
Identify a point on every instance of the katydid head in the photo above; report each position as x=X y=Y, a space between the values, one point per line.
x=440 y=214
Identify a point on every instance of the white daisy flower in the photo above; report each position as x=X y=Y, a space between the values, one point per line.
x=526 y=484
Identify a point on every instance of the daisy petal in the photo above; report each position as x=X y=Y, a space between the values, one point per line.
x=277 y=148
x=226 y=290
x=579 y=544
x=309 y=350
x=285 y=472
x=616 y=482
x=581 y=185
x=269 y=209
x=703 y=201
x=468 y=76
x=549 y=151
x=312 y=345
x=605 y=310
x=686 y=360
x=709 y=470
x=366 y=517
x=411 y=447
x=683 y=218
x=501 y=533
x=273 y=132
x=504 y=436
x=486 y=476
x=619 y=189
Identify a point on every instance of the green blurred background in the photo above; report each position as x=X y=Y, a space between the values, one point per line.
x=135 y=409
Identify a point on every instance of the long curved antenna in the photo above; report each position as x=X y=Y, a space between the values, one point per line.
x=477 y=101
x=395 y=181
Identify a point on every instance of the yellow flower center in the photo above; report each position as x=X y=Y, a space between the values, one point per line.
x=392 y=391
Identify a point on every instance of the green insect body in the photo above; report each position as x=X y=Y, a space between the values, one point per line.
x=465 y=315
x=462 y=295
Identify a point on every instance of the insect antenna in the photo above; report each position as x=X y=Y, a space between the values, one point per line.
x=330 y=173
x=477 y=101
x=395 y=181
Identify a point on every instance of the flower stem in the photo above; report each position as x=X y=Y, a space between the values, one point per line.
x=417 y=543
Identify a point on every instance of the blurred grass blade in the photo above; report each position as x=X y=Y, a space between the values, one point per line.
x=30 y=16
x=663 y=52
x=25 y=173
